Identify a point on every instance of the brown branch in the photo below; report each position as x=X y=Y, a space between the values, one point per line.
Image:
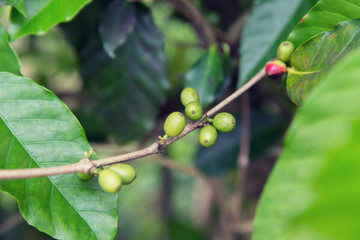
x=243 y=159
x=82 y=166
x=87 y=166
x=234 y=31
x=197 y=19
x=237 y=93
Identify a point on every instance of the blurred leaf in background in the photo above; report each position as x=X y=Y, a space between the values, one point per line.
x=124 y=93
x=182 y=45
x=221 y=158
x=9 y=61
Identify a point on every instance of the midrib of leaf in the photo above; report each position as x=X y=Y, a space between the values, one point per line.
x=48 y=105
x=53 y=184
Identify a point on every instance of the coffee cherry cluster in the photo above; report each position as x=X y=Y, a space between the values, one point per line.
x=175 y=122
x=112 y=178
x=275 y=69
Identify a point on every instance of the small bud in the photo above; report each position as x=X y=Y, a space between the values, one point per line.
x=275 y=69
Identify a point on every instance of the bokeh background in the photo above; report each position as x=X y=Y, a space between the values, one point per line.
x=162 y=203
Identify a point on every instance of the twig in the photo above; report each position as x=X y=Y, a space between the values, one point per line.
x=238 y=92
x=237 y=26
x=197 y=19
x=87 y=166
x=243 y=159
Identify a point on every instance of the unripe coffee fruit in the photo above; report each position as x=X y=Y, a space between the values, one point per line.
x=174 y=124
x=208 y=136
x=109 y=181
x=285 y=50
x=194 y=111
x=275 y=69
x=125 y=171
x=224 y=122
x=189 y=95
x=84 y=176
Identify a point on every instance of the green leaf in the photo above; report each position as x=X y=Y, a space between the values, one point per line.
x=315 y=56
x=9 y=61
x=323 y=17
x=133 y=85
x=206 y=75
x=181 y=43
x=227 y=73
x=18 y=4
x=311 y=192
x=42 y=15
x=267 y=26
x=37 y=130
x=222 y=157
x=117 y=23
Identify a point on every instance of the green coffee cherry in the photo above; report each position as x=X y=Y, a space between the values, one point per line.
x=194 y=111
x=109 y=181
x=189 y=95
x=208 y=136
x=224 y=122
x=84 y=176
x=174 y=124
x=285 y=50
x=125 y=171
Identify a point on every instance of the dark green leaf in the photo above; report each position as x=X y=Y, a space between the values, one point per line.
x=312 y=58
x=9 y=62
x=222 y=157
x=181 y=43
x=323 y=17
x=312 y=192
x=227 y=73
x=181 y=231
x=117 y=23
x=126 y=92
x=38 y=130
x=206 y=75
x=267 y=26
x=42 y=15
x=18 y=4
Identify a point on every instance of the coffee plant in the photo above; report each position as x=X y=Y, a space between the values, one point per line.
x=203 y=88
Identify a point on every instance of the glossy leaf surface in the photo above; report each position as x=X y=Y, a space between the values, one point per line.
x=37 y=130
x=323 y=17
x=206 y=75
x=9 y=62
x=315 y=56
x=312 y=192
x=42 y=15
x=267 y=26
x=117 y=23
